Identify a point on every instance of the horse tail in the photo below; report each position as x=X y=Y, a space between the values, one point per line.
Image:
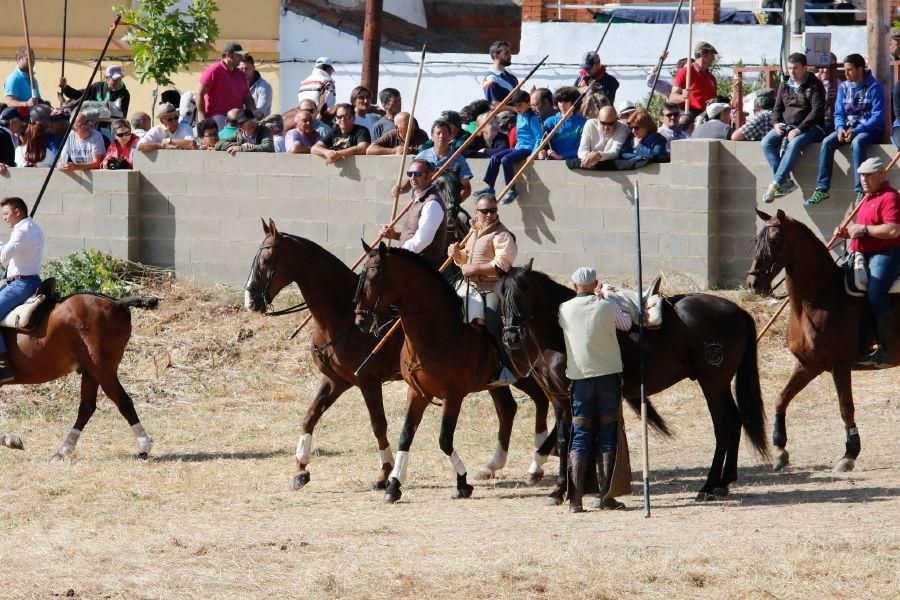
x=139 y=302
x=749 y=396
x=657 y=423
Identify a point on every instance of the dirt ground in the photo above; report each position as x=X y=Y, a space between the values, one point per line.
x=212 y=514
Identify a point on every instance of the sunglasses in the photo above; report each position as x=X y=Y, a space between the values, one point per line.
x=608 y=123
x=342 y=117
x=123 y=133
x=414 y=173
x=670 y=115
x=487 y=211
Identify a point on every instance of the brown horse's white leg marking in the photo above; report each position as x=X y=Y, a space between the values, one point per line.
x=385 y=457
x=496 y=463
x=399 y=470
x=536 y=470
x=304 y=449
x=68 y=446
x=457 y=463
x=144 y=441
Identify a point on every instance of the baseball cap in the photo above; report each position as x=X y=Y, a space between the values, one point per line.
x=40 y=113
x=871 y=165
x=244 y=116
x=10 y=113
x=589 y=59
x=323 y=61
x=715 y=109
x=114 y=72
x=234 y=47
x=166 y=108
x=704 y=47
x=584 y=276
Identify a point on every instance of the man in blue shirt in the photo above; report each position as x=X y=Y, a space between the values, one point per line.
x=17 y=88
x=499 y=82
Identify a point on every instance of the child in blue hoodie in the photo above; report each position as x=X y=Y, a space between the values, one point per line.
x=529 y=130
x=858 y=121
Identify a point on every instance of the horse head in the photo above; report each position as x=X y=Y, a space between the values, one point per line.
x=371 y=302
x=516 y=305
x=768 y=257
x=266 y=279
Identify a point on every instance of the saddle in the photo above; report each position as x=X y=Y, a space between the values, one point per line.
x=627 y=300
x=856 y=276
x=32 y=312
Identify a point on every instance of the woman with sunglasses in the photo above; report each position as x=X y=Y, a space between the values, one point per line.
x=649 y=145
x=120 y=154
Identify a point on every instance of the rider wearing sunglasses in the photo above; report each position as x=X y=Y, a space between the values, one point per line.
x=425 y=228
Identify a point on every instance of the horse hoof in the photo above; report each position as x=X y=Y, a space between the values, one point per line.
x=707 y=497
x=553 y=501
x=484 y=474
x=535 y=478
x=300 y=480
x=720 y=492
x=393 y=492
x=782 y=458
x=380 y=484
x=464 y=491
x=14 y=442
x=143 y=456
x=844 y=465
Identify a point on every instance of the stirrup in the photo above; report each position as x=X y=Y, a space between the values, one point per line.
x=503 y=379
x=877 y=358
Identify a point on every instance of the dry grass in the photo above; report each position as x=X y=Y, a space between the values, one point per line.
x=212 y=515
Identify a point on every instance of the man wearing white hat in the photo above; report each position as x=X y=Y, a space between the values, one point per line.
x=594 y=364
x=110 y=91
x=717 y=126
x=319 y=85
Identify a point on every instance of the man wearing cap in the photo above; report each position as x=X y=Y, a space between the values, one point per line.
x=703 y=82
x=56 y=129
x=624 y=110
x=223 y=86
x=17 y=88
x=593 y=73
x=757 y=126
x=319 y=85
x=717 y=125
x=275 y=123
x=170 y=134
x=594 y=364
x=876 y=234
x=11 y=119
x=251 y=136
x=499 y=82
x=84 y=150
x=260 y=89
x=111 y=91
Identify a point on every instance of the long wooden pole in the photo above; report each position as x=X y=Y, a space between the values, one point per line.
x=34 y=93
x=645 y=448
x=828 y=246
x=62 y=74
x=690 y=61
x=409 y=133
x=665 y=52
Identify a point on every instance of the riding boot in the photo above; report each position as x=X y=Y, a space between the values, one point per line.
x=881 y=356
x=6 y=371
x=578 y=469
x=606 y=463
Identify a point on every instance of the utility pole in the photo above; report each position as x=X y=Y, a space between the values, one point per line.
x=372 y=46
x=878 y=26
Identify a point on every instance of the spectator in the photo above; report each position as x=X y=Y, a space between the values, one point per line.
x=757 y=126
x=602 y=141
x=33 y=150
x=304 y=135
x=499 y=82
x=319 y=85
x=529 y=131
x=490 y=141
x=664 y=83
x=223 y=87
x=140 y=123
x=187 y=108
x=7 y=150
x=56 y=130
x=170 y=134
x=251 y=137
x=275 y=123
x=260 y=89
x=230 y=130
x=799 y=116
x=120 y=154
x=670 y=128
x=717 y=125
x=858 y=121
x=11 y=118
x=593 y=73
x=894 y=48
x=649 y=145
x=624 y=110
x=592 y=103
x=17 y=88
x=391 y=142
x=361 y=99
x=457 y=136
x=321 y=126
x=346 y=139
x=542 y=103
x=391 y=103
x=564 y=143
x=208 y=134
x=84 y=150
x=440 y=153
x=703 y=82
x=470 y=112
x=111 y=92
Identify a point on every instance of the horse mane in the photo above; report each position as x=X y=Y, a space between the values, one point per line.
x=333 y=263
x=820 y=247
x=448 y=187
x=426 y=266
x=514 y=279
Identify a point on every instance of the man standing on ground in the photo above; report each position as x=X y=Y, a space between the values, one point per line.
x=223 y=87
x=391 y=103
x=703 y=83
x=260 y=89
x=17 y=88
x=499 y=82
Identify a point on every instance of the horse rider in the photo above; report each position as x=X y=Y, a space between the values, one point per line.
x=22 y=257
x=594 y=364
x=425 y=229
x=489 y=253
x=876 y=235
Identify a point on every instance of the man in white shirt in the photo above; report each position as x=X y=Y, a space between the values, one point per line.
x=84 y=149
x=594 y=364
x=319 y=85
x=21 y=256
x=170 y=134
x=602 y=140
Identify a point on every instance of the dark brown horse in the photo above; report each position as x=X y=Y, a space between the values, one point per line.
x=827 y=329
x=702 y=337
x=338 y=347
x=86 y=333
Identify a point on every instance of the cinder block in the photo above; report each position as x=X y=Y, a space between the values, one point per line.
x=241 y=186
x=203 y=185
x=242 y=230
x=187 y=161
x=296 y=165
x=194 y=228
x=207 y=251
x=26 y=178
x=154 y=204
x=51 y=203
x=316 y=231
x=165 y=183
x=110 y=181
x=78 y=202
x=124 y=204
x=201 y=206
x=157 y=227
x=672 y=245
x=60 y=225
x=342 y=190
x=59 y=247
x=101 y=203
x=241 y=253
x=156 y=160
x=276 y=186
x=217 y=162
x=106 y=226
x=618 y=220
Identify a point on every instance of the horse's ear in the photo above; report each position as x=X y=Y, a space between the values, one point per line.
x=265 y=227
x=381 y=248
x=366 y=247
x=272 y=230
x=780 y=215
x=529 y=265
x=765 y=217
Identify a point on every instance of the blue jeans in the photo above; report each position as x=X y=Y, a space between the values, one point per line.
x=884 y=266
x=13 y=295
x=596 y=402
x=783 y=165
x=857 y=149
x=508 y=160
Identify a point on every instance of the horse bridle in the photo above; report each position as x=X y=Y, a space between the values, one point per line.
x=255 y=275
x=370 y=313
x=766 y=253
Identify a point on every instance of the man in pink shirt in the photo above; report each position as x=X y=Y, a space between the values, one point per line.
x=224 y=87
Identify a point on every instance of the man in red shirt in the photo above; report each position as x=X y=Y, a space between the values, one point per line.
x=223 y=87
x=703 y=83
x=876 y=235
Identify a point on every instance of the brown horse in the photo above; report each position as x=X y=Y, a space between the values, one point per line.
x=338 y=347
x=827 y=329
x=86 y=333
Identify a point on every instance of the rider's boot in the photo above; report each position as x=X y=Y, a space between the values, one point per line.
x=6 y=371
x=578 y=465
x=881 y=356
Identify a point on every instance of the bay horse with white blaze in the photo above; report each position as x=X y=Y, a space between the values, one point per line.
x=828 y=330
x=702 y=337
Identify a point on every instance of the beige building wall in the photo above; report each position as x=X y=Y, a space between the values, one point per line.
x=255 y=29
